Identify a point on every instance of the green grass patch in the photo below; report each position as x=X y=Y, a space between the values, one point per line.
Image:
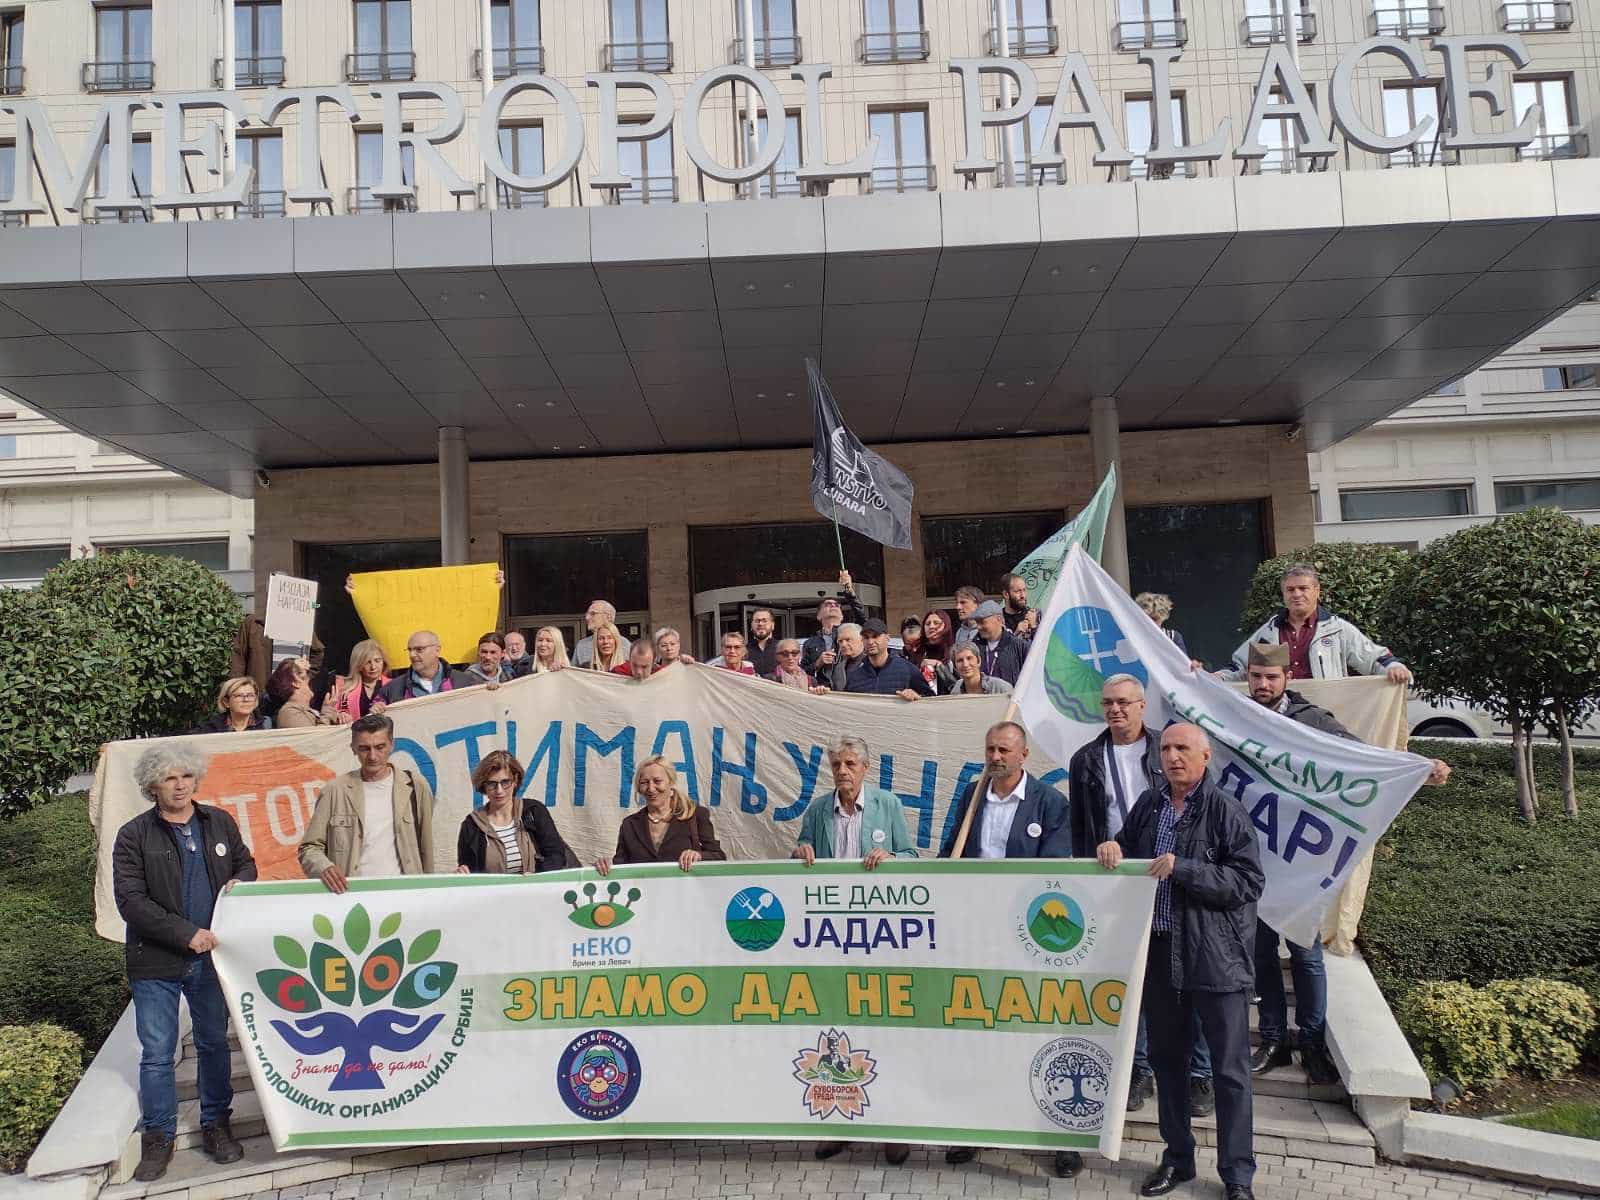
x=55 y=967
x=1463 y=889
x=1573 y=1120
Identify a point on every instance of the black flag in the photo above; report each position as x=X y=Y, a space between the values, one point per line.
x=851 y=484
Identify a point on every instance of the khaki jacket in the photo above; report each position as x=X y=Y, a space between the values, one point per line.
x=333 y=839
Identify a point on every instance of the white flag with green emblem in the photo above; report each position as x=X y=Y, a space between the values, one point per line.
x=1041 y=566
x=1319 y=803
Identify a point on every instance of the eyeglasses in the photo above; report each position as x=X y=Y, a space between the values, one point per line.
x=420 y=649
x=1120 y=703
x=788 y=653
x=499 y=785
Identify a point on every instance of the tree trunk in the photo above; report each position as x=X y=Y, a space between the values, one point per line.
x=1520 y=763
x=1569 y=783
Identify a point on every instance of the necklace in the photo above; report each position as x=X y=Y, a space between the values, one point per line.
x=655 y=820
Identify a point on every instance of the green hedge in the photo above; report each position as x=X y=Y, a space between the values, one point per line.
x=1550 y=1023
x=1457 y=1030
x=1462 y=889
x=39 y=1067
x=54 y=965
x=177 y=618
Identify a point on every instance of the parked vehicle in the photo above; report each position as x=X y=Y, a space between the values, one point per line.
x=1457 y=719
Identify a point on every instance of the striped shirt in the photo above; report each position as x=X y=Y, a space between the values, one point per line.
x=508 y=841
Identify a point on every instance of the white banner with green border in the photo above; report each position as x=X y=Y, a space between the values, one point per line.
x=985 y=1003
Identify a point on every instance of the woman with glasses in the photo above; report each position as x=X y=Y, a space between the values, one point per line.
x=506 y=836
x=788 y=671
x=238 y=708
x=969 y=677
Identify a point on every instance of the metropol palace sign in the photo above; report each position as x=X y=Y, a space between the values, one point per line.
x=1280 y=94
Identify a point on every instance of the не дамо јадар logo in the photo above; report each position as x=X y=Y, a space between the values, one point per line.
x=754 y=919
x=1086 y=648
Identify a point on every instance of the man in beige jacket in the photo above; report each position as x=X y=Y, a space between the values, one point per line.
x=372 y=822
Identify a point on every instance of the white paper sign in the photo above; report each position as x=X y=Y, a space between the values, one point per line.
x=291 y=609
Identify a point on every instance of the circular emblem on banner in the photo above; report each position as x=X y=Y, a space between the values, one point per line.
x=754 y=919
x=1071 y=1083
x=1086 y=648
x=598 y=1075
x=1055 y=922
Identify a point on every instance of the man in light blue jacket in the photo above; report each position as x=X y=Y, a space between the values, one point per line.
x=859 y=822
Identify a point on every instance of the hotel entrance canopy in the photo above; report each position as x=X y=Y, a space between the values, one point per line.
x=220 y=348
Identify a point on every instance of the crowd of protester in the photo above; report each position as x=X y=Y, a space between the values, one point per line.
x=1133 y=791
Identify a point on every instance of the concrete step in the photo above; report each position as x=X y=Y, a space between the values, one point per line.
x=1328 y=1132
x=1290 y=1083
x=188 y=1072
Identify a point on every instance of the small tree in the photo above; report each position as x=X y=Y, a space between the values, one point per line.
x=65 y=687
x=177 y=618
x=1356 y=576
x=1507 y=616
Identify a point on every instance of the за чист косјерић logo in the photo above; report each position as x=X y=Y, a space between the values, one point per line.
x=319 y=981
x=1086 y=648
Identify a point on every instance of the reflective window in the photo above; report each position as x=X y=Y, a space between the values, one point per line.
x=1557 y=137
x=774 y=41
x=649 y=165
x=749 y=555
x=258 y=44
x=903 y=163
x=781 y=180
x=1026 y=138
x=211 y=553
x=27 y=565
x=562 y=573
x=1405 y=106
x=1574 y=495
x=139 y=164
x=124 y=49
x=8 y=445
x=978 y=550
x=369 y=169
x=1028 y=28
x=263 y=153
x=522 y=147
x=1394 y=504
x=1202 y=555
x=1137 y=112
x=1578 y=375
x=383 y=41
x=11 y=77
x=640 y=39
x=893 y=32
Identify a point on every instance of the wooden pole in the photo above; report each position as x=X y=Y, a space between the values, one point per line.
x=978 y=790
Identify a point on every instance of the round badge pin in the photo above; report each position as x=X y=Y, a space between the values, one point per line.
x=222 y=850
x=877 y=835
x=1035 y=829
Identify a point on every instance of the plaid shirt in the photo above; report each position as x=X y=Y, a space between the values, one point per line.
x=1166 y=840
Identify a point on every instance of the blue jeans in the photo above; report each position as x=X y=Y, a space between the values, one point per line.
x=1199 y=1052
x=155 y=1014
x=1310 y=989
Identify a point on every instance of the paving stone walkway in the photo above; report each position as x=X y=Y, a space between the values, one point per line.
x=696 y=1171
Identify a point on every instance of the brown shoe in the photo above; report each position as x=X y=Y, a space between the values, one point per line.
x=155 y=1152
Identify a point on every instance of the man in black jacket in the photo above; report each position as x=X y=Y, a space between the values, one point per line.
x=1016 y=816
x=428 y=674
x=169 y=865
x=1268 y=674
x=1001 y=651
x=818 y=654
x=1106 y=778
x=1203 y=853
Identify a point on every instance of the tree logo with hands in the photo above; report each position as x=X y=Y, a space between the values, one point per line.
x=1071 y=1083
x=383 y=990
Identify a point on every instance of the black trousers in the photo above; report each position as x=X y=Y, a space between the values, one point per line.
x=1225 y=1019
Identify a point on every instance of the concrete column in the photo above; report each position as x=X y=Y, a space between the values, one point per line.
x=1104 y=438
x=455 y=497
x=667 y=577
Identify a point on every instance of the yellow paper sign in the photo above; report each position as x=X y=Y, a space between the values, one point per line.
x=460 y=604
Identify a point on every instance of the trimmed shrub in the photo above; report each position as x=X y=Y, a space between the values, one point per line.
x=1457 y=1030
x=65 y=688
x=58 y=971
x=1356 y=576
x=1550 y=1022
x=178 y=620
x=39 y=1067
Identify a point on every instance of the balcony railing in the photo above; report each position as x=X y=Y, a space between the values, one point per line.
x=1536 y=16
x=1423 y=154
x=376 y=66
x=906 y=177
x=11 y=80
x=771 y=49
x=778 y=183
x=636 y=56
x=1262 y=29
x=119 y=75
x=510 y=60
x=1027 y=41
x=1151 y=34
x=11 y=220
x=1282 y=160
x=265 y=71
x=1025 y=174
x=361 y=200
x=264 y=203
x=901 y=45
x=114 y=216
x=1141 y=169
x=1572 y=144
x=510 y=197
x=647 y=189
x=1416 y=20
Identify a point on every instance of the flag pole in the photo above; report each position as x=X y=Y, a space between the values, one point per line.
x=838 y=541
x=978 y=790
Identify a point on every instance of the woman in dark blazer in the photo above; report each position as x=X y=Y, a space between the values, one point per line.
x=669 y=828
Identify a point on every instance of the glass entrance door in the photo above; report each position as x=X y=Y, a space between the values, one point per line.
x=793 y=607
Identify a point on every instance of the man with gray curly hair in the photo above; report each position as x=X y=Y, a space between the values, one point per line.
x=169 y=865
